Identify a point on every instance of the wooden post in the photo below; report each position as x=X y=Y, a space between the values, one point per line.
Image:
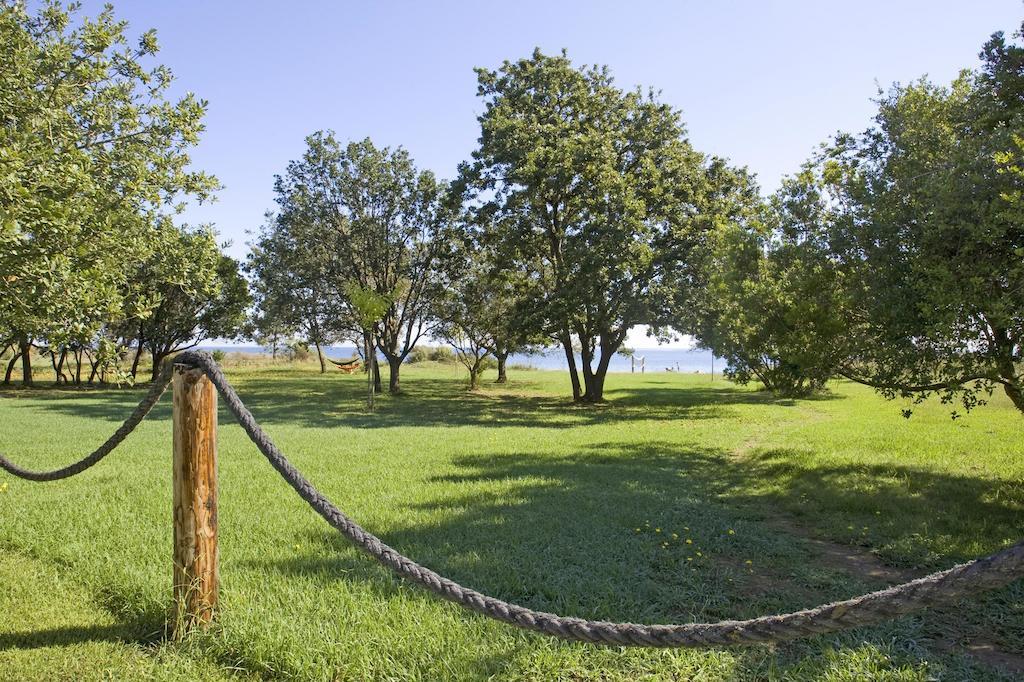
x=196 y=576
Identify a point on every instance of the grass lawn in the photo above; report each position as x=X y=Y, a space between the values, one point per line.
x=681 y=499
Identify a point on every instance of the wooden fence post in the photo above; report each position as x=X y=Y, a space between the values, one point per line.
x=196 y=576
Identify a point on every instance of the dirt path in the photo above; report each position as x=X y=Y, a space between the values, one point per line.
x=863 y=564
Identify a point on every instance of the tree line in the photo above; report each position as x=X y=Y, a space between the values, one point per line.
x=94 y=166
x=893 y=257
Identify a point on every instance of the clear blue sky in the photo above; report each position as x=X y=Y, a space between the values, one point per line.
x=761 y=83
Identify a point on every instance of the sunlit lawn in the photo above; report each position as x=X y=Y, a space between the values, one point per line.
x=681 y=499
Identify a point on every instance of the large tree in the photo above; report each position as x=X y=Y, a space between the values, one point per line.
x=928 y=235
x=92 y=153
x=769 y=305
x=471 y=312
x=596 y=193
x=291 y=271
x=385 y=221
x=486 y=307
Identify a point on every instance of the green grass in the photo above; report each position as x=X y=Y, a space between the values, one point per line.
x=515 y=492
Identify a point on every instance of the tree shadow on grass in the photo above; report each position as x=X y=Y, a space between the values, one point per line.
x=69 y=636
x=144 y=628
x=326 y=401
x=591 y=536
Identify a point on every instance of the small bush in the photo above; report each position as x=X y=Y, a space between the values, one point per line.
x=218 y=356
x=442 y=354
x=239 y=359
x=418 y=354
x=297 y=350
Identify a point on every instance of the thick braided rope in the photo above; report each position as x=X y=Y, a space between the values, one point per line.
x=943 y=587
x=156 y=390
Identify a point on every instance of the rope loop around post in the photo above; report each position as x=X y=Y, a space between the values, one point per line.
x=943 y=587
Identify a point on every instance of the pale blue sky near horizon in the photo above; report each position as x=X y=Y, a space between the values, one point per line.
x=761 y=83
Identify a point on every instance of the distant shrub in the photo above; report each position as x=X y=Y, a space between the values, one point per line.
x=489 y=362
x=297 y=350
x=442 y=354
x=218 y=356
x=418 y=354
x=239 y=359
x=519 y=367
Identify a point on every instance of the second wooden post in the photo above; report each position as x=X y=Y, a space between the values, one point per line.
x=196 y=576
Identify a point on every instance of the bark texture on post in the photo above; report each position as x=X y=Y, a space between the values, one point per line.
x=196 y=577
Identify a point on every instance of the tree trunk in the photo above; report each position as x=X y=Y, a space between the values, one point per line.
x=158 y=359
x=26 y=362
x=10 y=368
x=135 y=360
x=474 y=376
x=368 y=369
x=1015 y=394
x=502 y=377
x=596 y=388
x=94 y=368
x=371 y=366
x=78 y=367
x=588 y=378
x=594 y=378
x=93 y=371
x=586 y=362
x=320 y=355
x=59 y=367
x=570 y=357
x=394 y=367
x=369 y=389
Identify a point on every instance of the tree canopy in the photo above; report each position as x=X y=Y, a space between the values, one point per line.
x=199 y=294
x=592 y=190
x=377 y=221
x=291 y=267
x=928 y=238
x=768 y=303
x=94 y=156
